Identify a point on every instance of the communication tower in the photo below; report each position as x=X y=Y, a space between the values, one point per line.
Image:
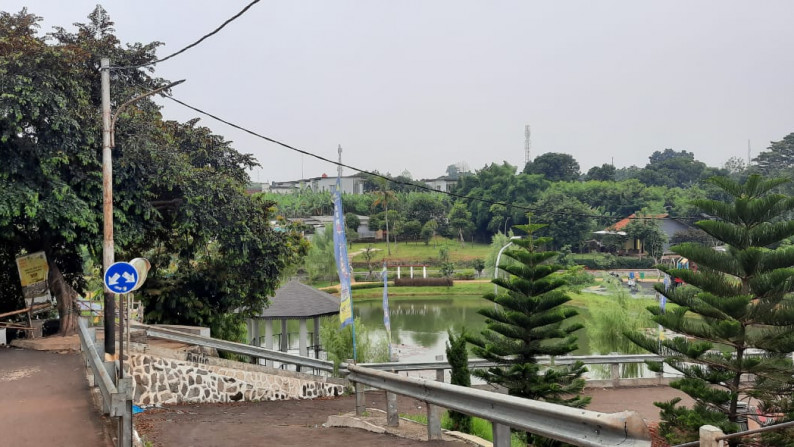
x=527 y=144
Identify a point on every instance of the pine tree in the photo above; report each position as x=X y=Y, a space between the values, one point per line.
x=458 y=358
x=528 y=321
x=734 y=302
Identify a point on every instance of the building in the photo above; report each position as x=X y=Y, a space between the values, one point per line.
x=444 y=183
x=669 y=226
x=351 y=184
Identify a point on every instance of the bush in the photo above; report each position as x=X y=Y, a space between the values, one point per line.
x=423 y=282
x=464 y=274
x=339 y=343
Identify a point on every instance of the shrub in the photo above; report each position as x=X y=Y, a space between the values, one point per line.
x=423 y=282
x=464 y=274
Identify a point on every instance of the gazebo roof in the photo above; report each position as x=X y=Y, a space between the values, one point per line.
x=297 y=301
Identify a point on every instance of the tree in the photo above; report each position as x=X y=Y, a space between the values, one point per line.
x=605 y=172
x=778 y=157
x=428 y=231
x=320 y=263
x=567 y=219
x=458 y=358
x=460 y=219
x=737 y=300
x=384 y=197
x=554 y=166
x=647 y=230
x=179 y=190
x=530 y=320
x=671 y=169
x=479 y=265
x=499 y=183
x=411 y=230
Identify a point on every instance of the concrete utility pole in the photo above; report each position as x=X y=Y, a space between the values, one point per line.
x=108 y=143
x=107 y=210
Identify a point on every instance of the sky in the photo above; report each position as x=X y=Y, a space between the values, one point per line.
x=419 y=85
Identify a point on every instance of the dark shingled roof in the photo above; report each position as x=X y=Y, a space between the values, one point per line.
x=299 y=301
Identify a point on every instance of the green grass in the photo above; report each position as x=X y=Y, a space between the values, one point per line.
x=419 y=253
x=479 y=427
x=460 y=288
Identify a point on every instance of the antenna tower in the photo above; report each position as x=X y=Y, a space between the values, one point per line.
x=527 y=144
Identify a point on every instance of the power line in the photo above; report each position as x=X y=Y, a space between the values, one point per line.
x=204 y=37
x=399 y=182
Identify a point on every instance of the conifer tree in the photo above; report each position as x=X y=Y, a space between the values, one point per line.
x=458 y=358
x=734 y=303
x=528 y=321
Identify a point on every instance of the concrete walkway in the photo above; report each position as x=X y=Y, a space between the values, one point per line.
x=45 y=400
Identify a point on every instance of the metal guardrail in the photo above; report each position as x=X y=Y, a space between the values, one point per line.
x=238 y=348
x=571 y=425
x=116 y=400
x=544 y=360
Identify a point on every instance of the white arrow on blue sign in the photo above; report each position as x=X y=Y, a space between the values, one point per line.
x=121 y=277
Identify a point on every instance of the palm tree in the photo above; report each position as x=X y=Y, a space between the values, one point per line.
x=384 y=196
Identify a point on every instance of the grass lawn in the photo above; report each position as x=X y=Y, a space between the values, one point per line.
x=419 y=253
x=473 y=288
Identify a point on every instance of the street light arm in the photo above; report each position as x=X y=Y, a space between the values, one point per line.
x=139 y=97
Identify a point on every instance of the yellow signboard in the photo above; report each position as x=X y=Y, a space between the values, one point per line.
x=32 y=268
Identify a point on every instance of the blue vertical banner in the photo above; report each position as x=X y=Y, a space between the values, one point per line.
x=342 y=262
x=386 y=319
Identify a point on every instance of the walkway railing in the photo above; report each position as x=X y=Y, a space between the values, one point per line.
x=116 y=400
x=571 y=425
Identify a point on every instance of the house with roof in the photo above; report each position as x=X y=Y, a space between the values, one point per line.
x=669 y=226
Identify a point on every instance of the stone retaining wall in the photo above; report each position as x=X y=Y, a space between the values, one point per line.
x=172 y=381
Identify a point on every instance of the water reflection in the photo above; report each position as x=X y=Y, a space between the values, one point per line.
x=419 y=325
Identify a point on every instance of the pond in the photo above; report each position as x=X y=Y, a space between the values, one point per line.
x=419 y=325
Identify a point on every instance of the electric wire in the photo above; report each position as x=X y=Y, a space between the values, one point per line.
x=400 y=182
x=204 y=37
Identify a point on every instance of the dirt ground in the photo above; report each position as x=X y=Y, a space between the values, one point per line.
x=300 y=423
x=45 y=400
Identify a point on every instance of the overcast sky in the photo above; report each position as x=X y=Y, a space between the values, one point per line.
x=419 y=85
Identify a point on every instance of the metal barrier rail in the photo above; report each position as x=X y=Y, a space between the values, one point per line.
x=571 y=425
x=238 y=348
x=116 y=401
x=544 y=360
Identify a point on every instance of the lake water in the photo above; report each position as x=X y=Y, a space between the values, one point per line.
x=419 y=325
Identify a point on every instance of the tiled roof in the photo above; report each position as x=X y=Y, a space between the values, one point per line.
x=295 y=300
x=621 y=224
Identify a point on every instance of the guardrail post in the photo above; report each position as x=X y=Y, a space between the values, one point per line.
x=392 y=416
x=125 y=420
x=434 y=411
x=433 y=422
x=361 y=404
x=615 y=374
x=501 y=435
x=709 y=435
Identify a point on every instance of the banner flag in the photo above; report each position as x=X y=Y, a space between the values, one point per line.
x=342 y=262
x=386 y=319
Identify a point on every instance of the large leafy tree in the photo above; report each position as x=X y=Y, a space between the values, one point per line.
x=528 y=321
x=568 y=221
x=499 y=183
x=736 y=301
x=554 y=166
x=179 y=190
x=674 y=169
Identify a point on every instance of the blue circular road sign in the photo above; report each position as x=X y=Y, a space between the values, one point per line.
x=121 y=277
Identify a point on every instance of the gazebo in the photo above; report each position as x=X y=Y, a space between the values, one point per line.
x=294 y=301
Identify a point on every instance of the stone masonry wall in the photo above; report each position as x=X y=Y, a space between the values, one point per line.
x=170 y=381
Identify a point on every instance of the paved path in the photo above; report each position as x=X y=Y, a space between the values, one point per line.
x=301 y=423
x=45 y=401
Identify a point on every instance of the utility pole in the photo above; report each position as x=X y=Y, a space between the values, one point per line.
x=108 y=254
